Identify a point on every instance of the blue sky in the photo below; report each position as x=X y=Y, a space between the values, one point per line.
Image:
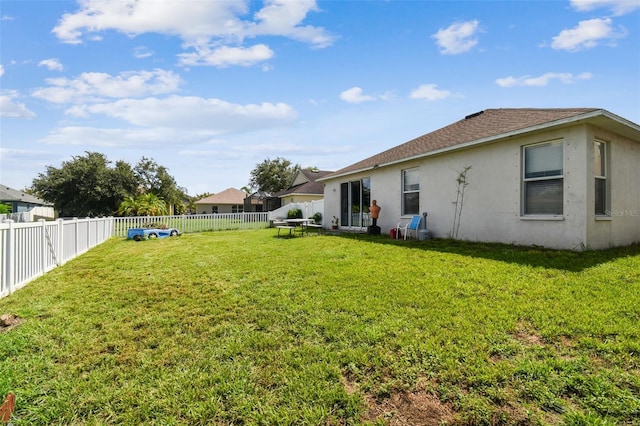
x=209 y=89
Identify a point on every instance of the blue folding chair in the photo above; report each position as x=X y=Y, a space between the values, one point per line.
x=413 y=225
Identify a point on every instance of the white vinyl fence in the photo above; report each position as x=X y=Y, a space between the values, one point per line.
x=28 y=250
x=194 y=222
x=308 y=209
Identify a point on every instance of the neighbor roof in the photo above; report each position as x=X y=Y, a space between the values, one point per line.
x=228 y=196
x=311 y=187
x=484 y=126
x=12 y=195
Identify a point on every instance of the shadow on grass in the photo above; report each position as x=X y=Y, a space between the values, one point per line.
x=572 y=261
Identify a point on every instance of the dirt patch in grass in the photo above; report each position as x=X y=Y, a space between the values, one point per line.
x=9 y=321
x=526 y=335
x=418 y=408
x=408 y=408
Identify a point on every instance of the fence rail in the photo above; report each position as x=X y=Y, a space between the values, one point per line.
x=194 y=222
x=29 y=250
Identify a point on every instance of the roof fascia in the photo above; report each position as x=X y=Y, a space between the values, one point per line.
x=297 y=193
x=576 y=119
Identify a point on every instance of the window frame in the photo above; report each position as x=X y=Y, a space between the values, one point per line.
x=603 y=200
x=528 y=182
x=410 y=192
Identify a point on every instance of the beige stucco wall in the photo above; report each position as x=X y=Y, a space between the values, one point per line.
x=622 y=227
x=492 y=203
x=222 y=208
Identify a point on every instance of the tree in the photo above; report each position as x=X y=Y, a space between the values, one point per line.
x=462 y=182
x=155 y=179
x=151 y=205
x=128 y=207
x=273 y=175
x=143 y=205
x=86 y=185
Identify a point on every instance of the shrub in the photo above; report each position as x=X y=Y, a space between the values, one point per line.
x=294 y=214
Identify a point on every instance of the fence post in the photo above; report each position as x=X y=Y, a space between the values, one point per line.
x=88 y=233
x=77 y=236
x=60 y=256
x=10 y=255
x=43 y=248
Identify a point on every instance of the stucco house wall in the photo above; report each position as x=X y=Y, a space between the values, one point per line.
x=299 y=198
x=622 y=225
x=231 y=200
x=492 y=209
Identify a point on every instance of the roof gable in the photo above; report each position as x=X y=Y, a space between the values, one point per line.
x=483 y=126
x=228 y=196
x=306 y=183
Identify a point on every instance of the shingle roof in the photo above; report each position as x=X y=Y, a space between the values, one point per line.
x=228 y=196
x=487 y=124
x=312 y=187
x=10 y=194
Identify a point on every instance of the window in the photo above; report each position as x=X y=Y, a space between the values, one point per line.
x=237 y=208
x=600 y=174
x=410 y=191
x=543 y=179
x=214 y=209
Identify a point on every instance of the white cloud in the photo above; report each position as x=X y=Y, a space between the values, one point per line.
x=92 y=86
x=188 y=20
x=283 y=17
x=53 y=64
x=618 y=7
x=204 y=26
x=586 y=35
x=355 y=96
x=543 y=80
x=1 y=70
x=158 y=137
x=225 y=56
x=142 y=52
x=10 y=108
x=459 y=37
x=213 y=115
x=429 y=92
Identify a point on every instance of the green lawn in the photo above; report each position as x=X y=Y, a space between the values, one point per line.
x=244 y=328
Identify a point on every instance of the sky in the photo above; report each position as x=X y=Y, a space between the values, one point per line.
x=211 y=88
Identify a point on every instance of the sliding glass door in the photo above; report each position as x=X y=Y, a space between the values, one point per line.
x=355 y=199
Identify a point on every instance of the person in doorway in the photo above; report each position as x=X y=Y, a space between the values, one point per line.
x=374 y=212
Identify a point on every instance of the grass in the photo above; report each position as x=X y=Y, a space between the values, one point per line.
x=244 y=328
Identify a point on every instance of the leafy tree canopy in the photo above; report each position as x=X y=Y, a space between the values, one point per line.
x=144 y=205
x=155 y=179
x=273 y=175
x=86 y=185
x=89 y=186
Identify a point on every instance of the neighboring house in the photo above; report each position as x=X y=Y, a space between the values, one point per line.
x=261 y=201
x=559 y=178
x=304 y=187
x=230 y=200
x=29 y=207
